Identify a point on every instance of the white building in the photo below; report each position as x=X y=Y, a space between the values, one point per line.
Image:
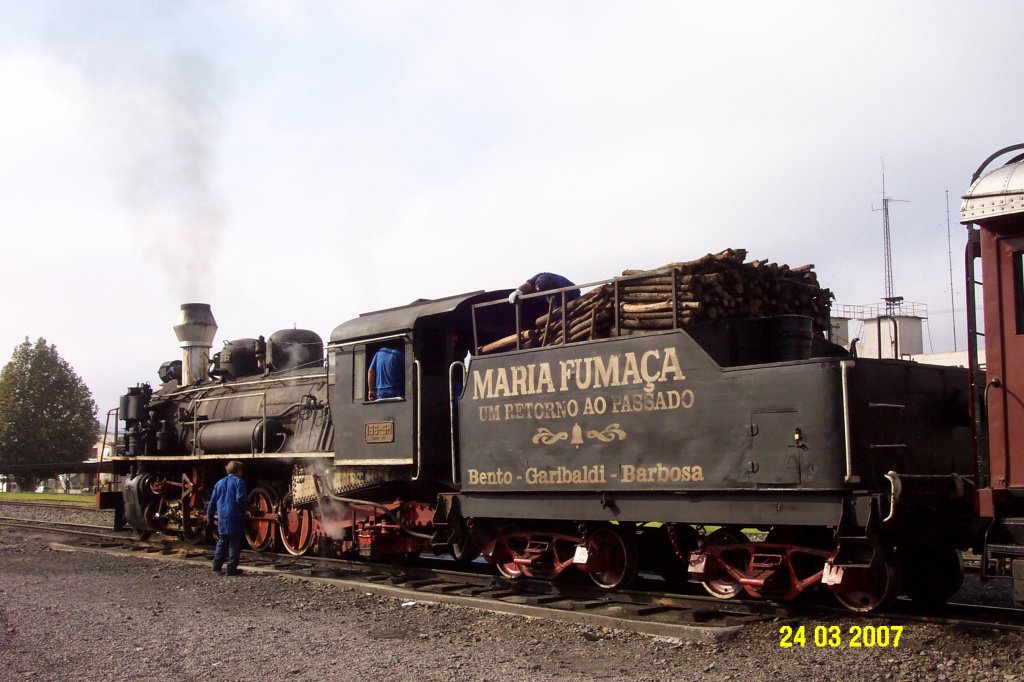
x=880 y=331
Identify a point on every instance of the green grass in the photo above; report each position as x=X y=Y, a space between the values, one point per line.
x=85 y=500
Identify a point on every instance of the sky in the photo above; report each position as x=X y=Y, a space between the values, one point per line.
x=300 y=163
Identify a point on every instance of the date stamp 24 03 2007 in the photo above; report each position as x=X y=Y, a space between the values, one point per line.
x=833 y=636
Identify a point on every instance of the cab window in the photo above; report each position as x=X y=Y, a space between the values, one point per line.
x=389 y=371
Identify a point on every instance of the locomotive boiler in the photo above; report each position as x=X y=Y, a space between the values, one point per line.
x=266 y=398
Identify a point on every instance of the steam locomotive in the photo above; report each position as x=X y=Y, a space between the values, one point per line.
x=634 y=452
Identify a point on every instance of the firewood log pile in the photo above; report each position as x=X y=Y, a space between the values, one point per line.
x=717 y=286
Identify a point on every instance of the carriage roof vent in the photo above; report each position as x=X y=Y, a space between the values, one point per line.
x=997 y=193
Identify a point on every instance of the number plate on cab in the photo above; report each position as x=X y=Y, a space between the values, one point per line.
x=380 y=432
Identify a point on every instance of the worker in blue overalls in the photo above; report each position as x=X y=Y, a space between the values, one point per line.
x=229 y=500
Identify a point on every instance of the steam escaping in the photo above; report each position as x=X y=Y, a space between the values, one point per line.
x=156 y=100
x=334 y=516
x=169 y=168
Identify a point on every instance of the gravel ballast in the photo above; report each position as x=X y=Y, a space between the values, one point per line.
x=86 y=515
x=76 y=615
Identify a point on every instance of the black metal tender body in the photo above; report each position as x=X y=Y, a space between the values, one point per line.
x=650 y=428
x=635 y=448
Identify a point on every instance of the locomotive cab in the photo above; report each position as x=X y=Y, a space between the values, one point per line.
x=412 y=429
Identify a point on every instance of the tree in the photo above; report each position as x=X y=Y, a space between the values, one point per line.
x=47 y=413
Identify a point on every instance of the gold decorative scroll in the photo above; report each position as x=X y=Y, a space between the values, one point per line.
x=608 y=434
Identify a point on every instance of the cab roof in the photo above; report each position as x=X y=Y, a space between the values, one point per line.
x=404 y=318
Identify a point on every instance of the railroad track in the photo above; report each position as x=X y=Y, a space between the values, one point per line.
x=649 y=610
x=437 y=580
x=83 y=529
x=63 y=506
x=678 y=616
x=966 y=615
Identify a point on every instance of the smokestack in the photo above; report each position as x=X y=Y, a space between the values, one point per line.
x=195 y=331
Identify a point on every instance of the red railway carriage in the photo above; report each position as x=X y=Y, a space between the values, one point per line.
x=993 y=209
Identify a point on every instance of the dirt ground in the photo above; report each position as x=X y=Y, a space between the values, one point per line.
x=69 y=616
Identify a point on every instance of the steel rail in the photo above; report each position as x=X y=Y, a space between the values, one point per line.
x=59 y=527
x=68 y=506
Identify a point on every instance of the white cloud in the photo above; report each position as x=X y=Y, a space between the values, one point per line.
x=362 y=155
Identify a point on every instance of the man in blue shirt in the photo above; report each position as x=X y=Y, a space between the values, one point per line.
x=229 y=500
x=533 y=308
x=386 y=376
x=546 y=281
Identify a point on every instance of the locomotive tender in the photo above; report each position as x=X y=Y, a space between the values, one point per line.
x=639 y=451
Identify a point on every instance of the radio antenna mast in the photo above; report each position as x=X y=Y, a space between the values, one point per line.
x=891 y=301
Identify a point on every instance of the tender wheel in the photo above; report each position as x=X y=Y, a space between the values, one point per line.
x=465 y=552
x=510 y=570
x=672 y=545
x=260 y=531
x=296 y=528
x=719 y=583
x=515 y=545
x=613 y=564
x=931 y=575
x=868 y=589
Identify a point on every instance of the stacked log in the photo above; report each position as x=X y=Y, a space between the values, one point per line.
x=717 y=286
x=723 y=285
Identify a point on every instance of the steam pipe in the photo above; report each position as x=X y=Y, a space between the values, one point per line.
x=325 y=491
x=262 y=380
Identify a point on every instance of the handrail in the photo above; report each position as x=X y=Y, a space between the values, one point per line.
x=198 y=388
x=368 y=340
x=844 y=366
x=994 y=156
x=895 y=336
x=977 y=406
x=452 y=398
x=614 y=281
x=419 y=419
x=116 y=411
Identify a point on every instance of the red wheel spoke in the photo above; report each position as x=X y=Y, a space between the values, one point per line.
x=260 y=530
x=296 y=528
